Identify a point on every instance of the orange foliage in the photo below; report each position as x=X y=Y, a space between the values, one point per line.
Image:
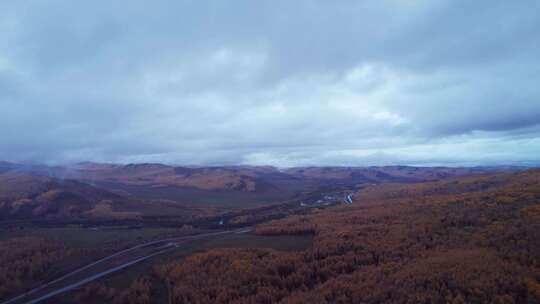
x=25 y=261
x=460 y=241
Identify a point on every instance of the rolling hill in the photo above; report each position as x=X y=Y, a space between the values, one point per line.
x=461 y=240
x=26 y=196
x=100 y=190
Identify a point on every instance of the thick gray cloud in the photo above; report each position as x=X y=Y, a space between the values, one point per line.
x=270 y=82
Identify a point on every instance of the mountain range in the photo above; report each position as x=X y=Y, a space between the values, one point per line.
x=117 y=191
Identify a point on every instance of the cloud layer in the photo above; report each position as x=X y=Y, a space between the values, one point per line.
x=270 y=82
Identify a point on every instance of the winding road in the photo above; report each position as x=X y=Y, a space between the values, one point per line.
x=116 y=262
x=108 y=265
x=348 y=198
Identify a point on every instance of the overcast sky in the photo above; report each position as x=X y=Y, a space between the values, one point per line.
x=270 y=82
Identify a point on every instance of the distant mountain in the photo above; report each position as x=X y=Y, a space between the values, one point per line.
x=390 y=173
x=239 y=178
x=76 y=190
x=27 y=196
x=6 y=167
x=158 y=175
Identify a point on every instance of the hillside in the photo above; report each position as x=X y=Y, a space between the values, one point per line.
x=464 y=240
x=24 y=196
x=239 y=178
x=468 y=238
x=391 y=173
x=98 y=190
x=158 y=175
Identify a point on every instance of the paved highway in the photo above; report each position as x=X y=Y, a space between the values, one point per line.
x=108 y=265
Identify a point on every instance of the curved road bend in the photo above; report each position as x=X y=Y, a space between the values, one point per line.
x=92 y=271
x=348 y=198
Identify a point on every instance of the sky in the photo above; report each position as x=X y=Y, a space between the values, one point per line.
x=283 y=83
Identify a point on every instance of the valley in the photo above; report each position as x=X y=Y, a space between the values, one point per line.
x=269 y=152
x=80 y=235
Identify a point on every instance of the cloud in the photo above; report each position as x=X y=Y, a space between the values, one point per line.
x=309 y=82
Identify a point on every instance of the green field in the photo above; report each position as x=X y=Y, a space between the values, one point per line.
x=124 y=278
x=280 y=243
x=81 y=237
x=97 y=242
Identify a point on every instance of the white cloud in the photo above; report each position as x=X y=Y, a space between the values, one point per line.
x=357 y=83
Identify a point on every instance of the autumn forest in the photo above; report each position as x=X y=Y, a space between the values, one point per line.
x=472 y=239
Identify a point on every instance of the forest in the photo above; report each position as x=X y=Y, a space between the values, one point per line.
x=260 y=152
x=25 y=261
x=462 y=240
